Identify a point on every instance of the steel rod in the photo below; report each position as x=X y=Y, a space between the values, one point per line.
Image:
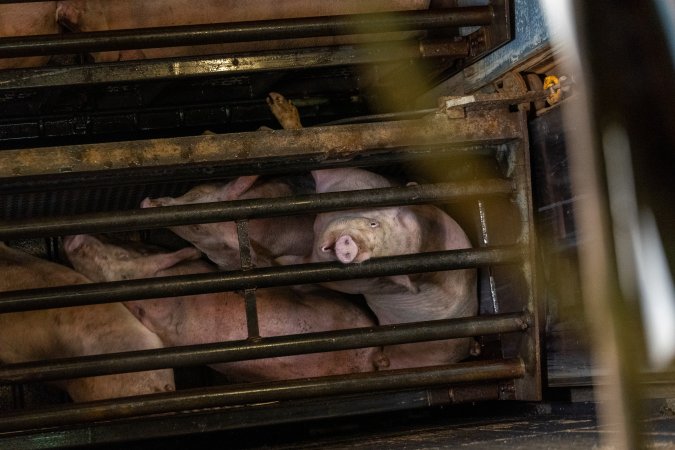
x=268 y=148
x=149 y=69
x=291 y=411
x=244 y=31
x=264 y=392
x=95 y=293
x=247 y=209
x=276 y=346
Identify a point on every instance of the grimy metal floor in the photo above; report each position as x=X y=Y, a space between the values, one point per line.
x=547 y=425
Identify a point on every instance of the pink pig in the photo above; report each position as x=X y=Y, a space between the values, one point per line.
x=270 y=238
x=355 y=236
x=74 y=331
x=221 y=317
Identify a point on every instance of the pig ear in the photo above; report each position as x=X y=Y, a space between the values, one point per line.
x=406 y=282
x=163 y=261
x=412 y=183
x=72 y=243
x=238 y=187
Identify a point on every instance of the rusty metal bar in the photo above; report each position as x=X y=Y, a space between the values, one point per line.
x=143 y=70
x=95 y=293
x=244 y=31
x=250 y=305
x=290 y=411
x=248 y=209
x=265 y=147
x=264 y=392
x=57 y=369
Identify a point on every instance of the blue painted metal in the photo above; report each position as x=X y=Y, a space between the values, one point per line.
x=531 y=36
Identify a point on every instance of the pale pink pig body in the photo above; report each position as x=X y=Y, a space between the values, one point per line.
x=270 y=238
x=103 y=15
x=74 y=331
x=220 y=317
x=26 y=19
x=357 y=235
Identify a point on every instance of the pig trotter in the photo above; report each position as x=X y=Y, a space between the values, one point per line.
x=285 y=112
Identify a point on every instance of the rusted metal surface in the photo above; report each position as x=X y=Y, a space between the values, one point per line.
x=319 y=144
x=95 y=293
x=156 y=69
x=530 y=387
x=264 y=392
x=265 y=347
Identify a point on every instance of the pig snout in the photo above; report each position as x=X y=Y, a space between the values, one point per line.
x=346 y=249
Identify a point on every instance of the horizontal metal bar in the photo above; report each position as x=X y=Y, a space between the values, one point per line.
x=290 y=59
x=58 y=369
x=174 y=286
x=266 y=148
x=244 y=31
x=290 y=411
x=248 y=209
x=263 y=392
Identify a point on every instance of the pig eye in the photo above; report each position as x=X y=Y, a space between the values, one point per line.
x=374 y=224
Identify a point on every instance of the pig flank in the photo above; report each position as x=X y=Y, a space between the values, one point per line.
x=219 y=317
x=73 y=331
x=270 y=238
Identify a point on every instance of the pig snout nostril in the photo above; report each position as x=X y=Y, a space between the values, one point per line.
x=346 y=249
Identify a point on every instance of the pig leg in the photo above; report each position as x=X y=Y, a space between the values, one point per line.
x=285 y=112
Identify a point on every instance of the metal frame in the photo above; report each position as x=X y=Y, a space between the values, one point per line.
x=518 y=377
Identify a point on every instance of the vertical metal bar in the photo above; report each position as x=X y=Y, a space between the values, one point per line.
x=530 y=387
x=484 y=242
x=249 y=294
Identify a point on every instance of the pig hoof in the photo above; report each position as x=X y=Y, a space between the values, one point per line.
x=346 y=249
x=285 y=112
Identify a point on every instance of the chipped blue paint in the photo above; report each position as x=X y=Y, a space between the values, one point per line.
x=531 y=36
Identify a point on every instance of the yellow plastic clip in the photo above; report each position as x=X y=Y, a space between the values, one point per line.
x=552 y=83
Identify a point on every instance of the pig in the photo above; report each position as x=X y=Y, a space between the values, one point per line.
x=270 y=238
x=219 y=317
x=355 y=236
x=74 y=331
x=23 y=20
x=103 y=15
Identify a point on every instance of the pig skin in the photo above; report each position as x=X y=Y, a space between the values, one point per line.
x=74 y=331
x=103 y=15
x=270 y=238
x=219 y=317
x=23 y=20
x=355 y=236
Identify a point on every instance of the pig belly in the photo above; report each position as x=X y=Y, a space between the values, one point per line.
x=101 y=15
x=23 y=20
x=75 y=331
